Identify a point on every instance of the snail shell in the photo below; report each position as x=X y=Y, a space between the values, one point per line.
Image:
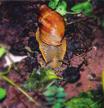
x=50 y=36
x=52 y=26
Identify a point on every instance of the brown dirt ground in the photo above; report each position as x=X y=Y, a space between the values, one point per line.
x=95 y=59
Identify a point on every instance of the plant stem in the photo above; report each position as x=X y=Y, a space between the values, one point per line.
x=51 y=83
x=19 y=88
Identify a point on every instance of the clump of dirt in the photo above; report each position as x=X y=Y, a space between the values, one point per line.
x=18 y=22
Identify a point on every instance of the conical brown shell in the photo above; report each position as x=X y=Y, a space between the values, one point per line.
x=52 y=26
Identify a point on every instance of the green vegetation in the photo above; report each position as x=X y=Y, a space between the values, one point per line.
x=84 y=100
x=53 y=4
x=55 y=96
x=3 y=93
x=2 y=51
x=62 y=8
x=39 y=79
x=81 y=103
x=59 y=6
x=86 y=8
x=103 y=80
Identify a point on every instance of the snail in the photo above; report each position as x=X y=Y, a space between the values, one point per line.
x=50 y=36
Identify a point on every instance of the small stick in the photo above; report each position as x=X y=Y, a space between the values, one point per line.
x=19 y=88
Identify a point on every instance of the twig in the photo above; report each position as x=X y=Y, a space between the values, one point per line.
x=19 y=88
x=51 y=83
x=76 y=21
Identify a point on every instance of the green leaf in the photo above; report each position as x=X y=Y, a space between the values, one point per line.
x=77 y=8
x=86 y=8
x=39 y=79
x=55 y=96
x=2 y=51
x=60 y=95
x=53 y=3
x=102 y=80
x=60 y=89
x=79 y=102
x=50 y=74
x=57 y=105
x=51 y=91
x=59 y=6
x=61 y=100
x=2 y=93
x=62 y=8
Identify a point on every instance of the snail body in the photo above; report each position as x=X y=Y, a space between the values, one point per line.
x=50 y=36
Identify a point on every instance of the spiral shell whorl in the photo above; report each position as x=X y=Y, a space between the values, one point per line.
x=52 y=26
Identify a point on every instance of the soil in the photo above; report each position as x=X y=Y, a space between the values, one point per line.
x=18 y=25
x=90 y=74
